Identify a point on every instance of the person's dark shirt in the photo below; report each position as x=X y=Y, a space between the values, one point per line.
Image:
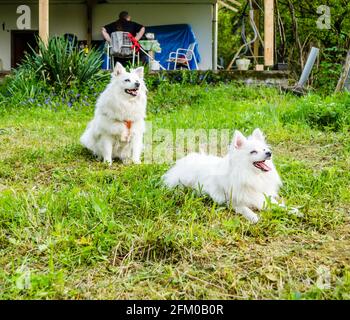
x=123 y=25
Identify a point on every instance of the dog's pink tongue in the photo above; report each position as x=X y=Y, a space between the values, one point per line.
x=265 y=166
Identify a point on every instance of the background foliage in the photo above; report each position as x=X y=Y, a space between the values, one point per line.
x=300 y=35
x=54 y=69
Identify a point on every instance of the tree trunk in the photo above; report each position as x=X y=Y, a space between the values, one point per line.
x=344 y=75
x=296 y=33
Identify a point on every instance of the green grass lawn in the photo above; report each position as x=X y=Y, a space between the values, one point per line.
x=74 y=228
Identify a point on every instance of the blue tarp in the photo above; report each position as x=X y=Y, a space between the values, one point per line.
x=171 y=37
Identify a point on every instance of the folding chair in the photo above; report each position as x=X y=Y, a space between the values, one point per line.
x=182 y=57
x=121 y=46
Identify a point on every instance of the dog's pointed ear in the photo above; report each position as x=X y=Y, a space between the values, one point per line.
x=238 y=140
x=258 y=135
x=139 y=71
x=118 y=69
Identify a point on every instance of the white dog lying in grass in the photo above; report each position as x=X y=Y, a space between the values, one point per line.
x=118 y=125
x=244 y=178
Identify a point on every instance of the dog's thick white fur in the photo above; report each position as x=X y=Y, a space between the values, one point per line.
x=117 y=128
x=244 y=178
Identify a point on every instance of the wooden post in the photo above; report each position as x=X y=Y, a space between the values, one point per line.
x=44 y=20
x=89 y=5
x=269 y=34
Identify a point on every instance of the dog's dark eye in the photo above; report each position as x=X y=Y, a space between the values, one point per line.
x=253 y=152
x=127 y=80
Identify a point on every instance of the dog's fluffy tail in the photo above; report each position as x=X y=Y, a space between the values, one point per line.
x=170 y=179
x=176 y=175
x=87 y=139
x=182 y=172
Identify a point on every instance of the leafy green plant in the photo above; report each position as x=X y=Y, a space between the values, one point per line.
x=321 y=113
x=56 y=66
x=59 y=63
x=184 y=77
x=229 y=40
x=330 y=68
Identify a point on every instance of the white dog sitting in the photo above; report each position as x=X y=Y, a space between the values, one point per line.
x=244 y=178
x=117 y=128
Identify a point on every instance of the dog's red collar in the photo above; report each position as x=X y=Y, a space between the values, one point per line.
x=128 y=124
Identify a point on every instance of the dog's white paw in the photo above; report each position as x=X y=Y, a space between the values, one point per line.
x=108 y=161
x=253 y=218
x=127 y=161
x=136 y=161
x=295 y=212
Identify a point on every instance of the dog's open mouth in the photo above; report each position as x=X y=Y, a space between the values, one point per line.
x=261 y=165
x=132 y=92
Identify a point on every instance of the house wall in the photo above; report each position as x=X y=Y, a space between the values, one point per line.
x=71 y=18
x=64 y=18
x=8 y=18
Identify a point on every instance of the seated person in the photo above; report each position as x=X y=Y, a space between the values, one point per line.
x=125 y=24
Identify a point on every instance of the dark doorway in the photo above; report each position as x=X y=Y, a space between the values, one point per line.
x=21 y=41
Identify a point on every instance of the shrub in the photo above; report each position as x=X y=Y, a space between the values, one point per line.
x=166 y=97
x=327 y=76
x=199 y=77
x=55 y=67
x=330 y=113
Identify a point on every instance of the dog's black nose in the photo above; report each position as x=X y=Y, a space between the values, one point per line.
x=268 y=154
x=137 y=84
